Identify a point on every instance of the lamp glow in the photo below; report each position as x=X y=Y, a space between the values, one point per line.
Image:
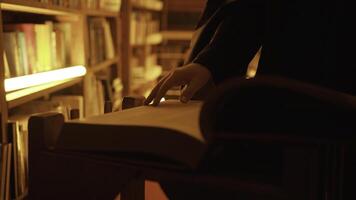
x=21 y=82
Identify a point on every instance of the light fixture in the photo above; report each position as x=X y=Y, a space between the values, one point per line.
x=26 y=81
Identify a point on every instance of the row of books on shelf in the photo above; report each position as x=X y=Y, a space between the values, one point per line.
x=101 y=40
x=14 y=174
x=5 y=169
x=102 y=90
x=14 y=163
x=32 y=48
x=142 y=26
x=110 y=5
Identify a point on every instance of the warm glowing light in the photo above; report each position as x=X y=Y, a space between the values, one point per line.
x=21 y=82
x=251 y=73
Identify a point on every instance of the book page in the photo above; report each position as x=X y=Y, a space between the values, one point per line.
x=170 y=114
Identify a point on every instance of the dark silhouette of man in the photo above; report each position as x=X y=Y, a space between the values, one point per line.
x=306 y=40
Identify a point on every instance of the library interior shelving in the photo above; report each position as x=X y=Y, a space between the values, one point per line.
x=141 y=39
x=56 y=55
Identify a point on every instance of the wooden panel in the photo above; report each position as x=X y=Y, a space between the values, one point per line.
x=126 y=49
x=3 y=109
x=117 y=33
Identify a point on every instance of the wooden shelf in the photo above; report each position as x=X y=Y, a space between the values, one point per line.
x=152 y=39
x=177 y=35
x=101 y=13
x=153 y=6
x=103 y=65
x=28 y=94
x=176 y=56
x=36 y=8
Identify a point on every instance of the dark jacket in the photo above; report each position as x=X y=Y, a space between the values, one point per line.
x=308 y=40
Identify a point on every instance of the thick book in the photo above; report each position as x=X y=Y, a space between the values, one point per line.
x=263 y=107
x=170 y=131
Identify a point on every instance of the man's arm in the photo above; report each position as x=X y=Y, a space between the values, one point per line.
x=235 y=42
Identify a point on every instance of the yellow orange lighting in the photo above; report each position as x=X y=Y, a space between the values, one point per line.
x=21 y=82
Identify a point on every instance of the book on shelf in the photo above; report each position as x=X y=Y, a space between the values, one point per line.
x=70 y=102
x=32 y=48
x=19 y=172
x=8 y=172
x=3 y=164
x=95 y=97
x=160 y=131
x=44 y=45
x=12 y=138
x=109 y=44
x=100 y=40
x=28 y=46
x=12 y=54
x=65 y=38
x=6 y=66
x=143 y=25
x=107 y=88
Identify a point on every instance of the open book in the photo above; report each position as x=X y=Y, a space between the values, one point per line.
x=283 y=108
x=170 y=131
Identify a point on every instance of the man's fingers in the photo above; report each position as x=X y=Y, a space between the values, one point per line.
x=153 y=93
x=165 y=86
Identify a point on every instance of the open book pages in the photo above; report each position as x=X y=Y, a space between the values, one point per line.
x=169 y=114
x=170 y=131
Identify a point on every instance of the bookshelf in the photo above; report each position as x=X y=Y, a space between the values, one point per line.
x=141 y=38
x=40 y=36
x=179 y=21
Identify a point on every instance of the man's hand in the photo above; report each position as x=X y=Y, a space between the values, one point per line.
x=195 y=76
